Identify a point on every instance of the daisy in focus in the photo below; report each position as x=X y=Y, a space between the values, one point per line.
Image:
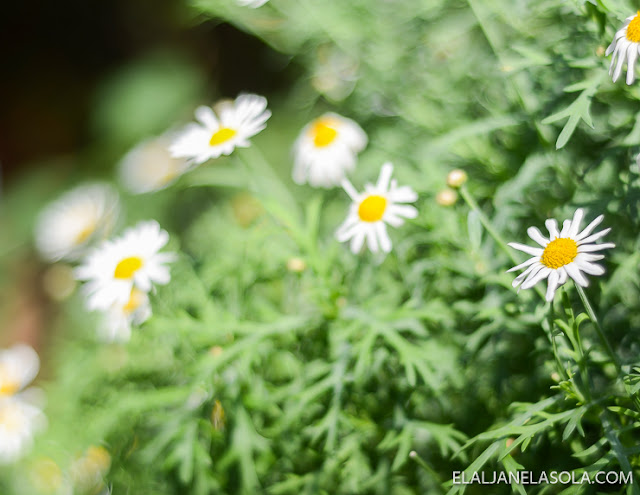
x=114 y=268
x=254 y=4
x=372 y=210
x=625 y=47
x=66 y=227
x=118 y=320
x=19 y=417
x=326 y=150
x=565 y=254
x=150 y=167
x=216 y=135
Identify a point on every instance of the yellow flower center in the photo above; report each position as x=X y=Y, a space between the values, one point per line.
x=633 y=29
x=559 y=252
x=135 y=300
x=372 y=208
x=85 y=233
x=98 y=458
x=222 y=135
x=7 y=387
x=46 y=475
x=127 y=267
x=323 y=132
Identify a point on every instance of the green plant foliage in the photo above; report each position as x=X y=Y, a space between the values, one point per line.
x=371 y=374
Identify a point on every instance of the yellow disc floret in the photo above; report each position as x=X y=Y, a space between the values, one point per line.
x=135 y=300
x=7 y=385
x=85 y=233
x=633 y=29
x=127 y=267
x=372 y=208
x=559 y=252
x=222 y=135
x=7 y=389
x=323 y=132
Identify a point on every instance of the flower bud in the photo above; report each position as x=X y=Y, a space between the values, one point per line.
x=446 y=197
x=456 y=178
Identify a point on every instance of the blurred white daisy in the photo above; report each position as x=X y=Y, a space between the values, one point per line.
x=19 y=418
x=625 y=47
x=216 y=135
x=150 y=167
x=88 y=472
x=18 y=367
x=69 y=225
x=118 y=320
x=371 y=210
x=254 y=4
x=115 y=267
x=564 y=254
x=19 y=421
x=326 y=150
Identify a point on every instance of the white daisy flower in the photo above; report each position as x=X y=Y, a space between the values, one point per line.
x=254 y=4
x=18 y=367
x=564 y=254
x=220 y=134
x=326 y=150
x=625 y=47
x=115 y=267
x=118 y=320
x=19 y=419
x=150 y=167
x=69 y=225
x=372 y=210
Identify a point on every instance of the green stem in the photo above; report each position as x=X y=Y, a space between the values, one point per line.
x=486 y=223
x=596 y=324
x=424 y=465
x=551 y=319
x=264 y=180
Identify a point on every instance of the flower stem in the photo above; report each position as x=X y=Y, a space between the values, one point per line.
x=554 y=345
x=594 y=320
x=423 y=464
x=486 y=223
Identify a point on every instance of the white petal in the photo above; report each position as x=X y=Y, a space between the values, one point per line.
x=372 y=239
x=588 y=248
x=350 y=190
x=589 y=228
x=383 y=237
x=594 y=237
x=552 y=285
x=575 y=224
x=534 y=279
x=206 y=116
x=537 y=236
x=357 y=241
x=563 y=276
x=622 y=55
x=574 y=272
x=535 y=268
x=533 y=251
x=632 y=55
x=385 y=177
x=348 y=228
x=403 y=194
x=530 y=261
x=405 y=211
x=591 y=268
x=552 y=227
